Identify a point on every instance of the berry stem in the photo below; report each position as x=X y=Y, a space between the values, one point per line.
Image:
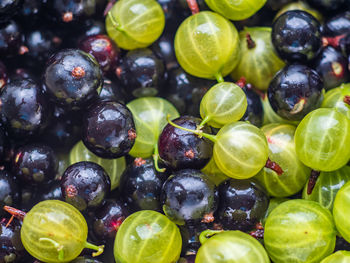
x=57 y=245
x=156 y=159
x=347 y=99
x=15 y=212
x=274 y=166
x=206 y=234
x=204 y=121
x=99 y=249
x=250 y=42
x=199 y=133
x=193 y=5
x=108 y=7
x=312 y=181
x=219 y=77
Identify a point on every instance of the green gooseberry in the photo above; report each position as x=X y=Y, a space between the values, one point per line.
x=327 y=186
x=322 y=139
x=259 y=61
x=207 y=45
x=299 y=231
x=341 y=256
x=338 y=98
x=224 y=103
x=230 y=246
x=54 y=231
x=135 y=24
x=300 y=5
x=147 y=237
x=236 y=10
x=341 y=210
x=280 y=138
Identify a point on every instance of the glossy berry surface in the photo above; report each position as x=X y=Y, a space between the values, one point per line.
x=103 y=49
x=25 y=110
x=11 y=39
x=242 y=204
x=142 y=73
x=3 y=75
x=11 y=249
x=332 y=66
x=85 y=185
x=327 y=5
x=112 y=90
x=9 y=191
x=337 y=25
x=8 y=9
x=109 y=130
x=181 y=149
x=108 y=218
x=296 y=36
x=72 y=77
x=35 y=164
x=140 y=185
x=188 y=196
x=295 y=91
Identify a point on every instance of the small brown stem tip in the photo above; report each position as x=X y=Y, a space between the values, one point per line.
x=347 y=99
x=312 y=181
x=274 y=166
x=250 y=42
x=78 y=72
x=15 y=212
x=193 y=5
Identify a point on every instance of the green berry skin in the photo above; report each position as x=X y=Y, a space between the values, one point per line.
x=147 y=237
x=207 y=45
x=236 y=10
x=322 y=140
x=334 y=98
x=274 y=202
x=327 y=186
x=135 y=24
x=300 y=5
x=213 y=173
x=113 y=167
x=258 y=64
x=299 y=231
x=58 y=221
x=341 y=256
x=341 y=210
x=224 y=103
x=149 y=115
x=232 y=247
x=241 y=150
x=280 y=138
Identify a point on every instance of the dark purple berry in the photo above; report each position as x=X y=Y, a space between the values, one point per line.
x=85 y=185
x=35 y=164
x=9 y=192
x=181 y=149
x=108 y=129
x=295 y=91
x=296 y=36
x=11 y=40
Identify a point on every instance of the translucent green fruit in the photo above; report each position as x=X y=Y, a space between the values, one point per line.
x=322 y=140
x=147 y=237
x=327 y=186
x=280 y=138
x=236 y=10
x=274 y=202
x=232 y=247
x=135 y=24
x=241 y=150
x=299 y=231
x=113 y=167
x=54 y=231
x=212 y=171
x=224 y=103
x=336 y=98
x=341 y=211
x=300 y=5
x=259 y=61
x=149 y=115
x=341 y=256
x=207 y=45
